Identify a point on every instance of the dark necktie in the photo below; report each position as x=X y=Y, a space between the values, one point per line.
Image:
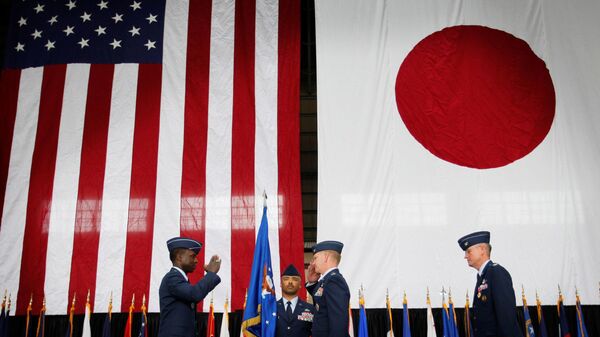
x=288 y=310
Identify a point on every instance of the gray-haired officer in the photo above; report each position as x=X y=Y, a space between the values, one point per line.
x=494 y=304
x=329 y=291
x=177 y=296
x=294 y=316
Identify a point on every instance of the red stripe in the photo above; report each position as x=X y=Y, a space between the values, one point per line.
x=242 y=151
x=91 y=183
x=193 y=180
x=9 y=93
x=140 y=224
x=35 y=242
x=291 y=234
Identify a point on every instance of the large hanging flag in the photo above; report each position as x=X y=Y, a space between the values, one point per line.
x=430 y=321
x=87 y=328
x=389 y=323
x=563 y=325
x=581 y=330
x=260 y=314
x=405 y=320
x=125 y=124
x=224 y=331
x=437 y=117
x=468 y=325
x=540 y=315
x=529 y=332
x=69 y=332
x=363 y=328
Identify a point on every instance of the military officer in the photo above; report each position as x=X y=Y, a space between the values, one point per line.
x=329 y=291
x=494 y=304
x=294 y=316
x=177 y=296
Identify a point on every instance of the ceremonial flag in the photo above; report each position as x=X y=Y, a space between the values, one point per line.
x=129 y=323
x=87 y=328
x=106 y=327
x=224 y=331
x=69 y=332
x=144 y=323
x=529 y=332
x=468 y=326
x=210 y=326
x=6 y=320
x=388 y=317
x=540 y=315
x=126 y=123
x=28 y=317
x=260 y=315
x=350 y=322
x=581 y=330
x=452 y=317
x=430 y=321
x=405 y=320
x=447 y=328
x=41 y=320
x=2 y=315
x=563 y=325
x=363 y=329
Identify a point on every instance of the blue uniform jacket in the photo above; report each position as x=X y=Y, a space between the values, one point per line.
x=494 y=305
x=178 y=300
x=332 y=299
x=299 y=325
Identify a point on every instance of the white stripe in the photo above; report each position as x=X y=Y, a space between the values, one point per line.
x=117 y=179
x=17 y=184
x=218 y=152
x=64 y=193
x=265 y=150
x=170 y=144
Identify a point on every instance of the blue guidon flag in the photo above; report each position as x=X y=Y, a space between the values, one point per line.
x=260 y=314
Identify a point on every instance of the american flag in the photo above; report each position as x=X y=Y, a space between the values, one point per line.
x=126 y=123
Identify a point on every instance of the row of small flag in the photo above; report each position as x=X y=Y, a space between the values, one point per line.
x=449 y=318
x=106 y=329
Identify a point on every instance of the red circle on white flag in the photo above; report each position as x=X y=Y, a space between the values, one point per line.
x=475 y=96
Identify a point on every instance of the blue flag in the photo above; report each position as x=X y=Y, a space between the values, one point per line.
x=106 y=326
x=446 y=321
x=452 y=321
x=363 y=329
x=260 y=314
x=562 y=318
x=405 y=321
x=529 y=332
x=581 y=330
x=543 y=332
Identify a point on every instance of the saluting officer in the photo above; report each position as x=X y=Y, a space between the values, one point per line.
x=294 y=316
x=177 y=296
x=329 y=291
x=494 y=304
